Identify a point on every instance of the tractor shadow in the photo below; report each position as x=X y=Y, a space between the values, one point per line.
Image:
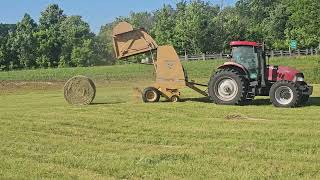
x=259 y=102
x=314 y=101
x=201 y=99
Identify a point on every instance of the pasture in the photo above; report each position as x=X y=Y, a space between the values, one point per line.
x=119 y=137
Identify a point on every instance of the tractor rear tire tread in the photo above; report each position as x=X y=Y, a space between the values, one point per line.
x=242 y=82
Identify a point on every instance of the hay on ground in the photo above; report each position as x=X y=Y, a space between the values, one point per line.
x=79 y=90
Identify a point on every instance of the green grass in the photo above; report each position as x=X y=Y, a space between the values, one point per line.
x=195 y=69
x=120 y=137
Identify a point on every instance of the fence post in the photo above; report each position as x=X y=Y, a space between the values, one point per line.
x=298 y=52
x=221 y=55
x=272 y=53
x=204 y=56
x=281 y=53
x=186 y=57
x=307 y=52
x=311 y=51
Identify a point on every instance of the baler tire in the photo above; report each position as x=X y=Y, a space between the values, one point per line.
x=295 y=94
x=151 y=91
x=175 y=99
x=242 y=87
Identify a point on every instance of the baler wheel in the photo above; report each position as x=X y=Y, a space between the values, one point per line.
x=285 y=94
x=175 y=98
x=151 y=95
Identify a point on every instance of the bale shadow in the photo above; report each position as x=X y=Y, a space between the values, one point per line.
x=106 y=103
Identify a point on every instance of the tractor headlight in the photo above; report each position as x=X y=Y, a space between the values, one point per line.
x=299 y=78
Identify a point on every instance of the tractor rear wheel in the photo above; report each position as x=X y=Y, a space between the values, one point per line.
x=285 y=94
x=228 y=87
x=151 y=95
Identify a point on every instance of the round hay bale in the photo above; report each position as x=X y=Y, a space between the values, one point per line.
x=79 y=90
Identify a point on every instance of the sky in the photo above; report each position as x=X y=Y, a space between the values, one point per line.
x=95 y=12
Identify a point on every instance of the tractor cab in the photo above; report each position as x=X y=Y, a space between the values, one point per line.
x=250 y=56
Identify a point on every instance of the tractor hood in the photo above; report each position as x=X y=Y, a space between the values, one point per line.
x=278 y=73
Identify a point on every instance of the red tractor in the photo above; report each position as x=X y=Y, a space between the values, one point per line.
x=247 y=75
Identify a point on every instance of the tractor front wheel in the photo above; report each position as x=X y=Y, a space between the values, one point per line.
x=285 y=94
x=151 y=95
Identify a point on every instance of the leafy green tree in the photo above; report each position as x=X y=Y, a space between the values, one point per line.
x=49 y=36
x=181 y=36
x=51 y=16
x=24 y=43
x=163 y=29
x=141 y=19
x=194 y=26
x=230 y=27
x=255 y=12
x=74 y=31
x=7 y=56
x=303 y=24
x=104 y=43
x=83 y=55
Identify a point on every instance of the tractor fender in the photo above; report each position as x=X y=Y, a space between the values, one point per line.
x=279 y=73
x=232 y=65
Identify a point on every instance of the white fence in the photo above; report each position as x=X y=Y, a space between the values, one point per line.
x=272 y=53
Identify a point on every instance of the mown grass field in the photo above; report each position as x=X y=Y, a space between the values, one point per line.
x=118 y=137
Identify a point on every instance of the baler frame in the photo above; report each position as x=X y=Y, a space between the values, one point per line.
x=170 y=75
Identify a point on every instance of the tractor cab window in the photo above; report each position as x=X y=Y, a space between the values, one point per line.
x=247 y=57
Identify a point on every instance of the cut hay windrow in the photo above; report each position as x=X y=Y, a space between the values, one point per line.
x=79 y=90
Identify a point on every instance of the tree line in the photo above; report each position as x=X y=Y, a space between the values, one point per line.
x=57 y=40
x=192 y=27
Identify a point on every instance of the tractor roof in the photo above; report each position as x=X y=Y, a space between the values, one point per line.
x=244 y=43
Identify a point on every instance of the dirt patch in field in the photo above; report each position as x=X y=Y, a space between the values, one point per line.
x=136 y=95
x=235 y=117
x=240 y=117
x=13 y=86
